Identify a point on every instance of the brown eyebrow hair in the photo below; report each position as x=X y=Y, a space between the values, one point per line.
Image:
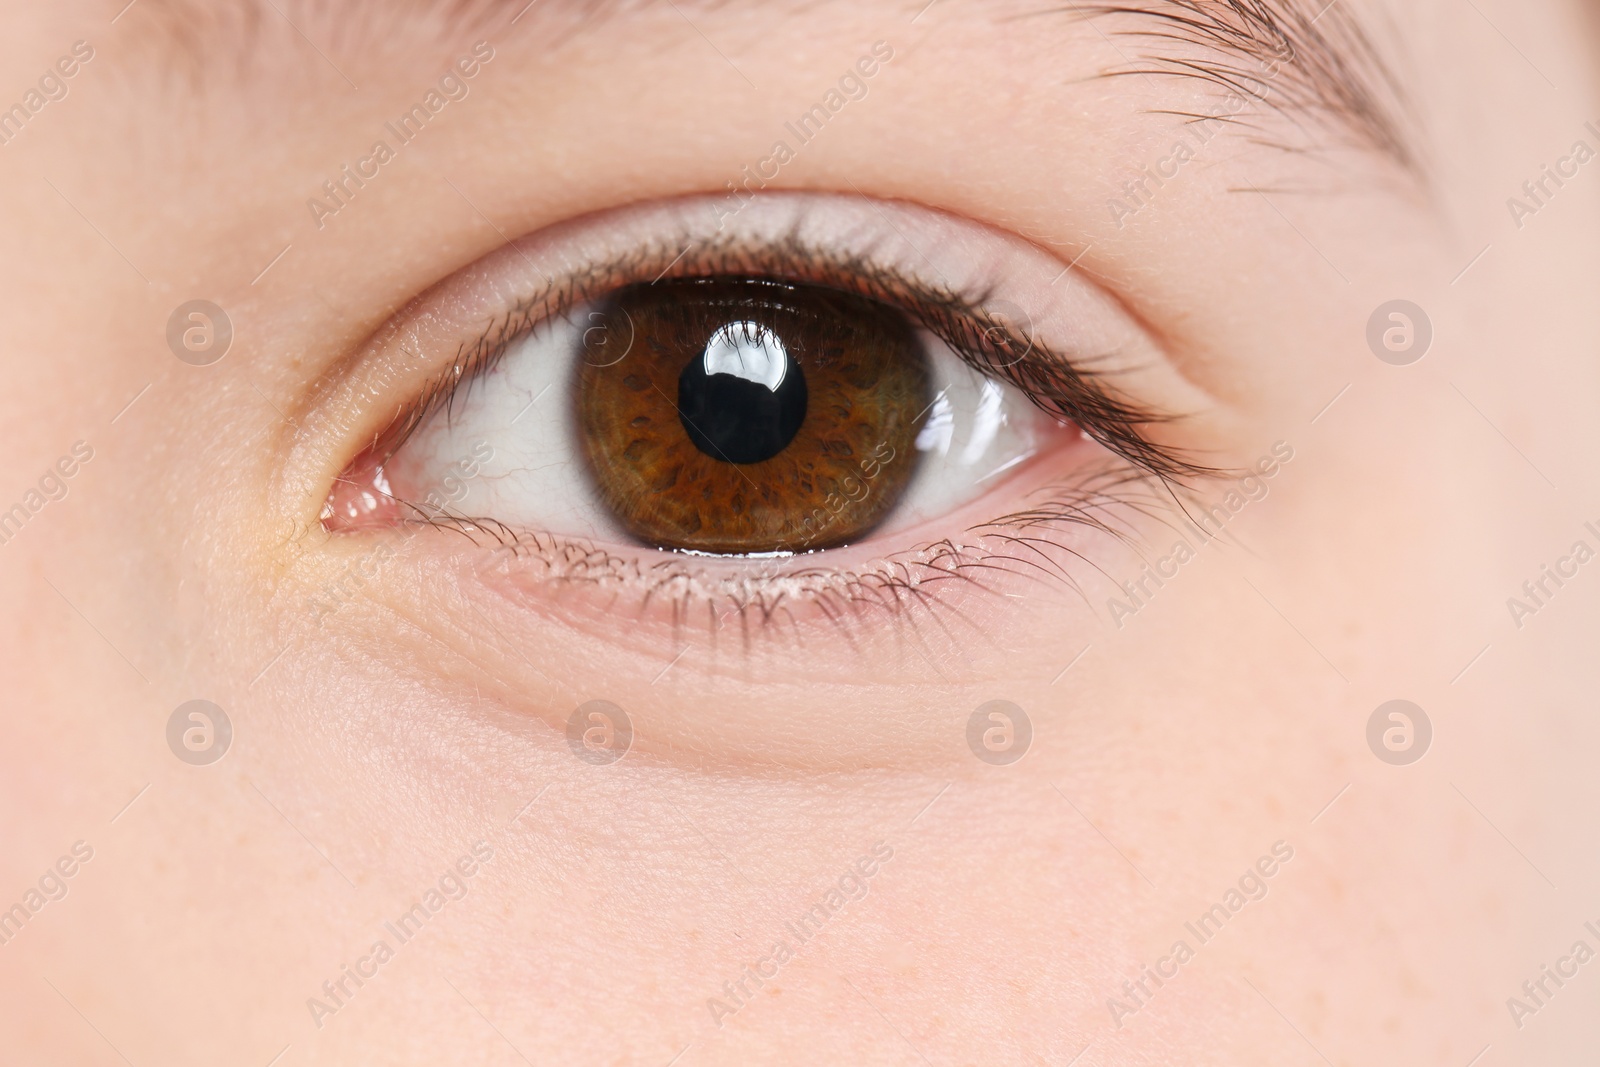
x=186 y=37
x=1310 y=60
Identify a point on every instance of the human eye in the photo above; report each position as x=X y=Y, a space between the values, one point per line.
x=721 y=415
x=802 y=406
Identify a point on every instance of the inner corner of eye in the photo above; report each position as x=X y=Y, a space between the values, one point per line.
x=361 y=497
x=719 y=415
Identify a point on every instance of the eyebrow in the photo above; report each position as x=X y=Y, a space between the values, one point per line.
x=190 y=36
x=187 y=24
x=1308 y=59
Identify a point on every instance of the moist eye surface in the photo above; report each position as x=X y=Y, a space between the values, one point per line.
x=737 y=416
x=745 y=399
x=802 y=389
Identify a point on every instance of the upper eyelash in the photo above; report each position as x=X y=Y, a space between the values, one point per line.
x=1059 y=386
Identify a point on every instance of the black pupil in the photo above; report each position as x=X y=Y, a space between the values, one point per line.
x=743 y=399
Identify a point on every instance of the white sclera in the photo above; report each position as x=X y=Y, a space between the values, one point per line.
x=976 y=430
x=523 y=408
x=536 y=478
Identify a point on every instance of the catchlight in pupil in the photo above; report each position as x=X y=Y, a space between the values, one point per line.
x=744 y=399
x=744 y=415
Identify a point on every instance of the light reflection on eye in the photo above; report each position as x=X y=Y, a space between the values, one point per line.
x=750 y=351
x=986 y=423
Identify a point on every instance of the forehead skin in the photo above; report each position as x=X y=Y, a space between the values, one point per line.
x=1230 y=714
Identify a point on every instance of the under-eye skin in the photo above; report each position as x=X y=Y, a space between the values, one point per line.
x=752 y=423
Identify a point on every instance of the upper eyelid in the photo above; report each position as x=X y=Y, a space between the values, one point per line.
x=410 y=362
x=963 y=320
x=562 y=296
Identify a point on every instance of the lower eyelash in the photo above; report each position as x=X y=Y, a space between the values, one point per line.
x=907 y=589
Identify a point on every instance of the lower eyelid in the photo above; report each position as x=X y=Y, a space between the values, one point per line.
x=1068 y=506
x=508 y=624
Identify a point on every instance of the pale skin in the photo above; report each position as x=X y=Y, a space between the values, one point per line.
x=1024 y=906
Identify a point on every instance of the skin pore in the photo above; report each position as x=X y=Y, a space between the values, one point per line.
x=399 y=695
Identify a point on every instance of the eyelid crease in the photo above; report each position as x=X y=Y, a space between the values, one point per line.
x=1064 y=389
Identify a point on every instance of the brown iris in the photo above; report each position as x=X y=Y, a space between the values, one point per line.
x=745 y=415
